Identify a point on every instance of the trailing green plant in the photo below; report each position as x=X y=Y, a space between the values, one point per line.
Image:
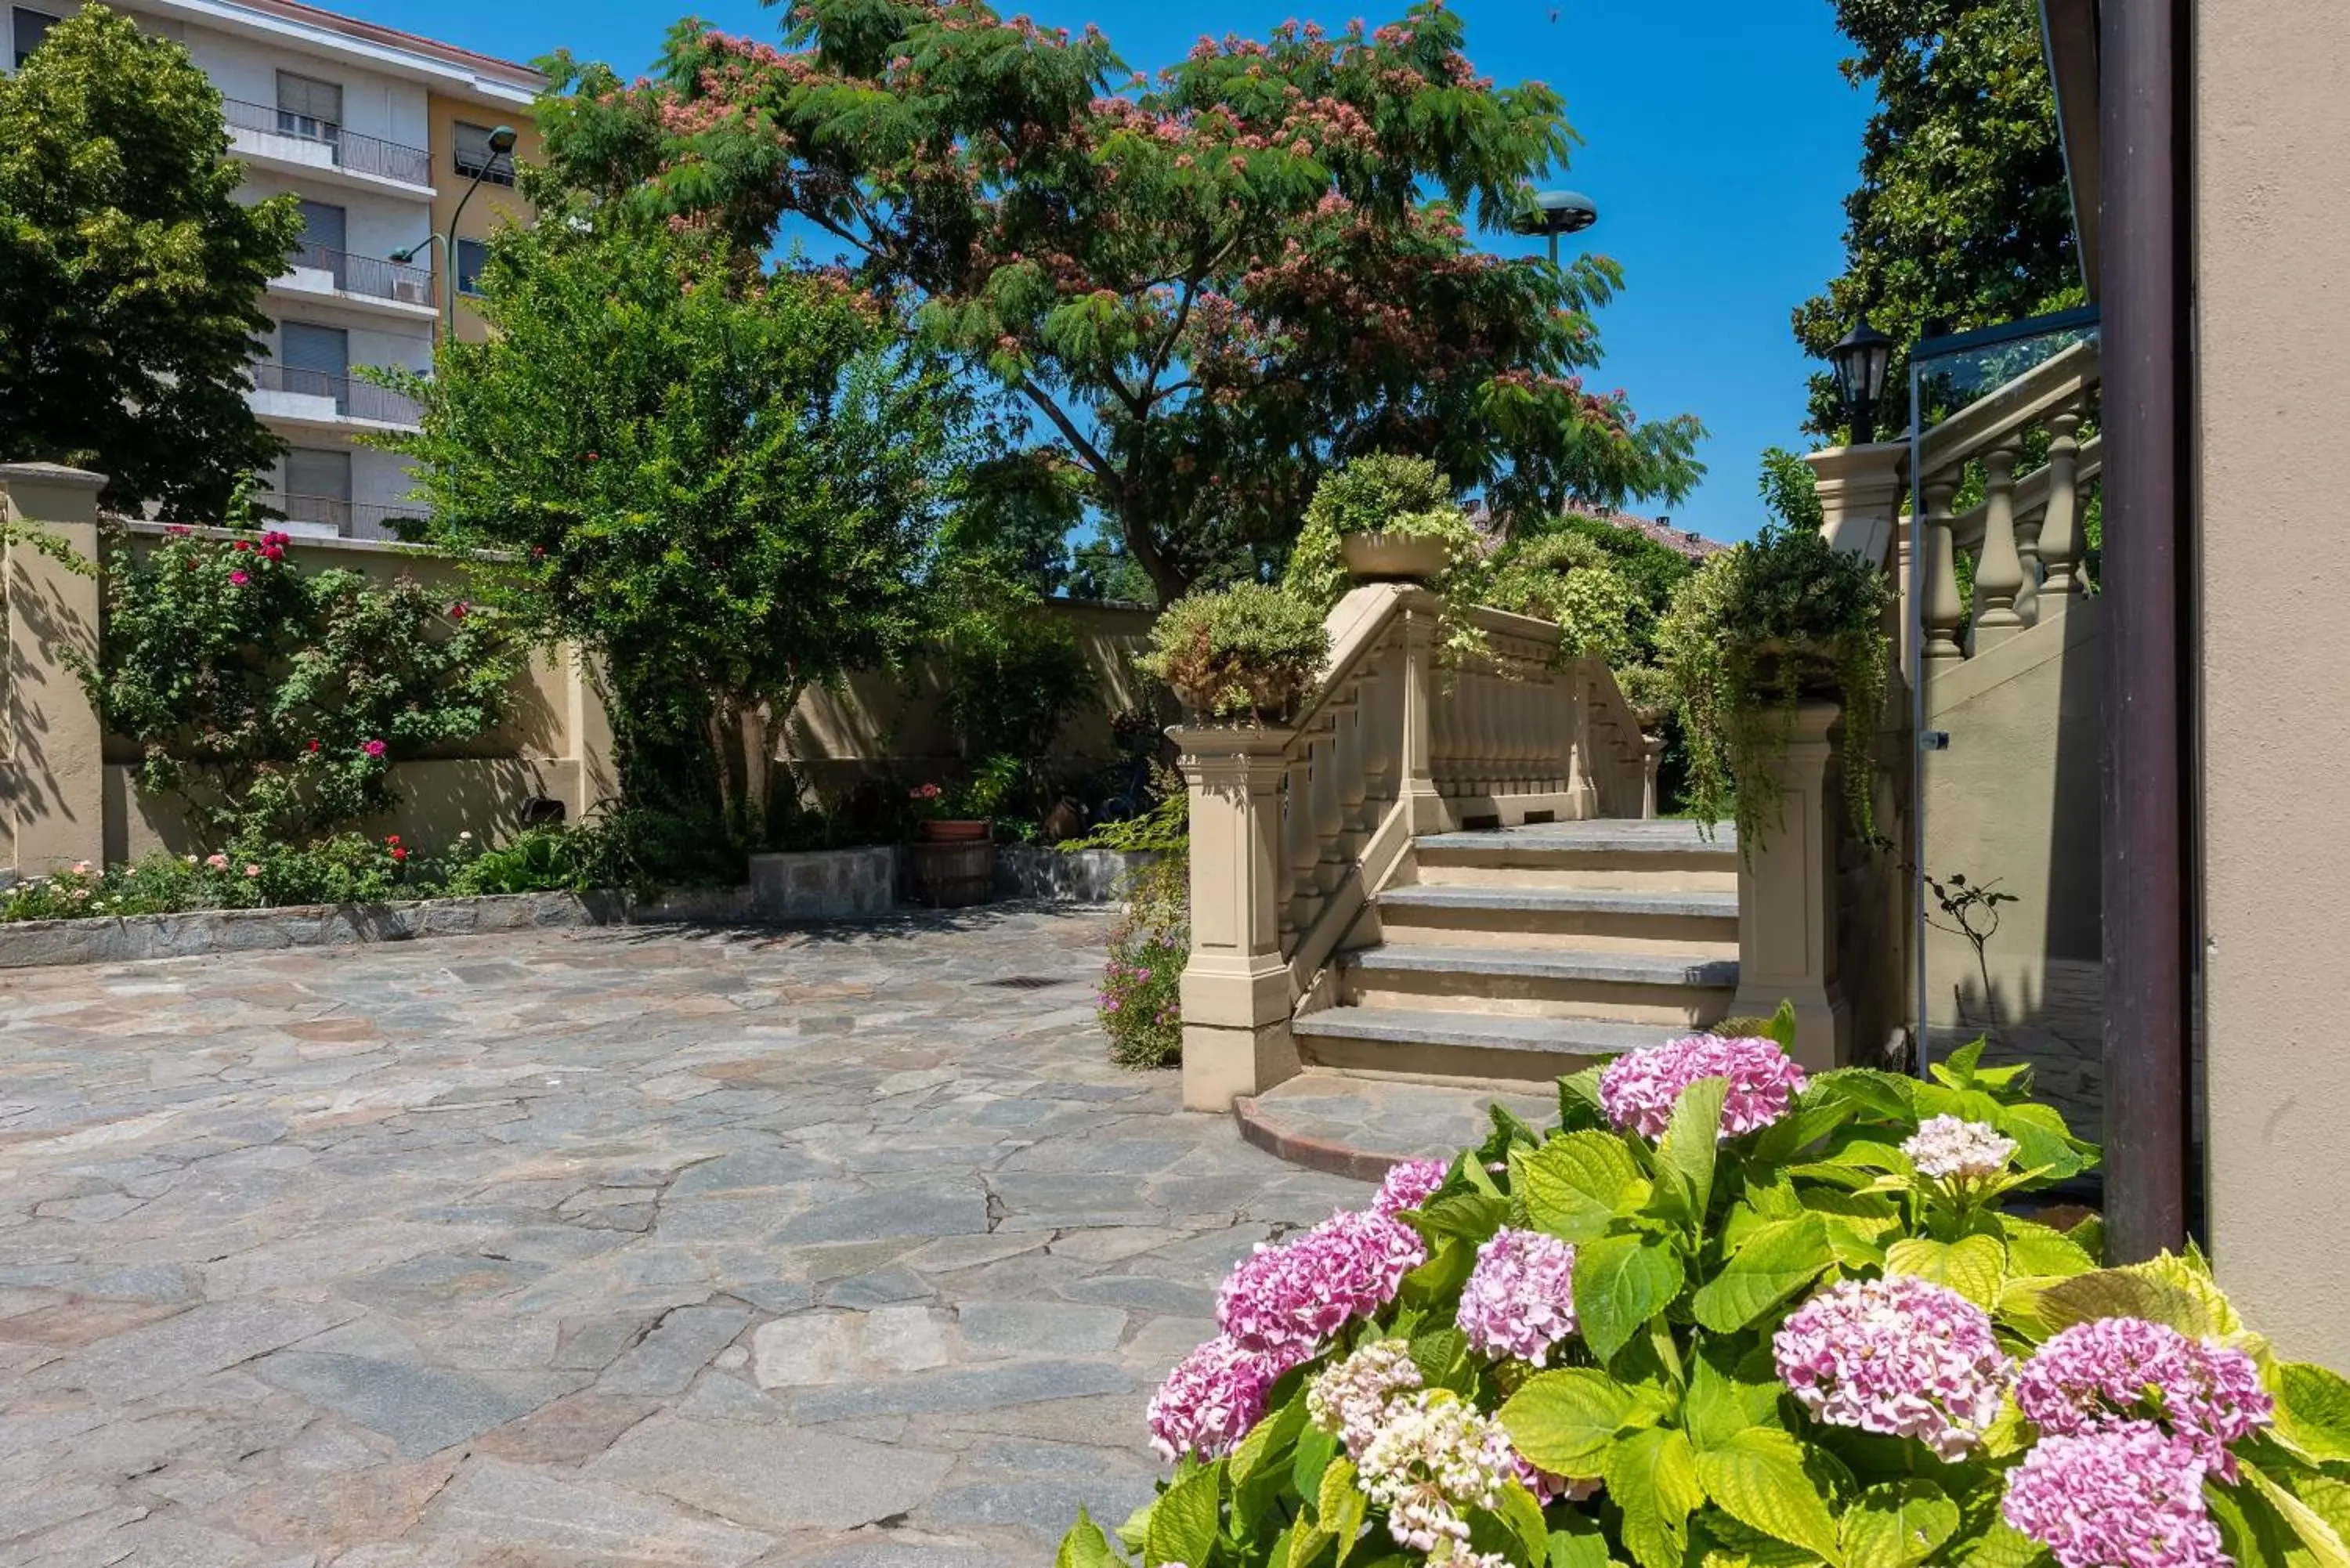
x=271 y=702
x=1565 y=580
x=1381 y=493
x=1166 y=826
x=1728 y=1315
x=1648 y=690
x=1140 y=1002
x=1746 y=636
x=1246 y=652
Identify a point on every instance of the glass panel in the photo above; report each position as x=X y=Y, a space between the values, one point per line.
x=29 y=27
x=2003 y=642
x=473 y=156
x=473 y=255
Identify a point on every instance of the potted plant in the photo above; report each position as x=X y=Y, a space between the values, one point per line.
x=1243 y=654
x=939 y=816
x=1758 y=629
x=1647 y=692
x=1382 y=518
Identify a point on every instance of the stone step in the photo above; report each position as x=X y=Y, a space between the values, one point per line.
x=1668 y=989
x=1655 y=855
x=1360 y=1127
x=1692 y=921
x=1451 y=1043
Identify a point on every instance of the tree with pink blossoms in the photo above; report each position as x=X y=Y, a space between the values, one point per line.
x=1729 y=1313
x=1204 y=286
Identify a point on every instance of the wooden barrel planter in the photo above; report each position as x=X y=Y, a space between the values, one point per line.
x=951 y=866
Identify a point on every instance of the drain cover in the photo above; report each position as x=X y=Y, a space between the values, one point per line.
x=1024 y=982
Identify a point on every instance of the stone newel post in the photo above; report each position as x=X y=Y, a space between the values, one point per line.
x=1235 y=988
x=52 y=758
x=1787 y=896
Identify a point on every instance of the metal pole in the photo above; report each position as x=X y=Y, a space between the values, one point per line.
x=2145 y=881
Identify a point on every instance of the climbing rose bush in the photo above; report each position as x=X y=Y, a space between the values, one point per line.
x=1726 y=1314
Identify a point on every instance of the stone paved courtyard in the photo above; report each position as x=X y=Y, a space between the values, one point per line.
x=597 y=1248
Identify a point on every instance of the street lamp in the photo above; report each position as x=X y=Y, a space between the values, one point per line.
x=502 y=145
x=1558 y=213
x=1861 y=360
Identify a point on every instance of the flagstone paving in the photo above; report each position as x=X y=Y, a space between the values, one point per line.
x=601 y=1248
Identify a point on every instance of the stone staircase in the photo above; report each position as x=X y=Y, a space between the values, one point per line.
x=1500 y=960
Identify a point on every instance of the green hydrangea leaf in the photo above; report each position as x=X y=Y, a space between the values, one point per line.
x=1778 y=1260
x=1575 y=1186
x=1653 y=1477
x=2323 y=1542
x=2166 y=1290
x=1315 y=1449
x=1084 y=1546
x=1471 y=1216
x=1183 y=1526
x=2313 y=1409
x=1730 y=1390
x=1299 y=1545
x=1565 y=1421
x=1974 y=1266
x=1442 y=1356
x=1790 y=1135
x=1685 y=1157
x=1899 y=1524
x=1339 y=1507
x=2035 y=1249
x=1578 y=1543
x=1999 y=1544
x=1578 y=1100
x=1882 y=1097
x=1524 y=1515
x=1265 y=1440
x=1760 y=1478
x=2043 y=1140
x=1620 y=1283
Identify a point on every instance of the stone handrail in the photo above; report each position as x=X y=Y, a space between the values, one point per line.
x=1295 y=828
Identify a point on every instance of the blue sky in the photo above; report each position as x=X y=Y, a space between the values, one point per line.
x=1719 y=142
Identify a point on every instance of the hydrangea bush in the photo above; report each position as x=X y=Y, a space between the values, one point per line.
x=1728 y=1314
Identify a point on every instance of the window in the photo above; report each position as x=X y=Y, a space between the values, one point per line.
x=321 y=246
x=474 y=157
x=473 y=255
x=30 y=26
x=319 y=488
x=309 y=108
x=318 y=361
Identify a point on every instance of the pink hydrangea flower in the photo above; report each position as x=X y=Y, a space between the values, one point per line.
x=1950 y=1149
x=1902 y=1357
x=1520 y=1299
x=1284 y=1301
x=2118 y=1371
x=1407 y=1185
x=1211 y=1400
x=2124 y=1498
x=1639 y=1088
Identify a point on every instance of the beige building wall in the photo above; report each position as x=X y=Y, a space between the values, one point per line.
x=2271 y=254
x=492 y=204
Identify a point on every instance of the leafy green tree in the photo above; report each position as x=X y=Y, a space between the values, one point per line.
x=1206 y=288
x=1653 y=570
x=1962 y=217
x=721 y=482
x=130 y=274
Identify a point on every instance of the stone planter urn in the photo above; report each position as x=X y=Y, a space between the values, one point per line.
x=1392 y=557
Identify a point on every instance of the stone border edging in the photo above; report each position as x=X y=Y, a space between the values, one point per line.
x=1326 y=1154
x=123 y=939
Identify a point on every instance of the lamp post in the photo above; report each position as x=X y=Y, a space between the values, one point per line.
x=1558 y=213
x=502 y=145
x=1861 y=360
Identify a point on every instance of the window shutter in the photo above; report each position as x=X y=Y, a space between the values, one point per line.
x=323 y=350
x=322 y=225
x=472 y=147
x=310 y=99
x=324 y=474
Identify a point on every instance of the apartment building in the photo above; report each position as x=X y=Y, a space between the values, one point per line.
x=382 y=136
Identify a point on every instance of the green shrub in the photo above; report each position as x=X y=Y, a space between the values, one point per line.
x=1648 y=689
x=1744 y=639
x=1167 y=825
x=1140 y=1002
x=1380 y=494
x=1246 y=652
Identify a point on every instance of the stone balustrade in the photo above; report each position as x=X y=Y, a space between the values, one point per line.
x=1412 y=730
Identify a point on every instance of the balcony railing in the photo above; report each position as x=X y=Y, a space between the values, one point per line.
x=350 y=519
x=367 y=275
x=353 y=400
x=351 y=150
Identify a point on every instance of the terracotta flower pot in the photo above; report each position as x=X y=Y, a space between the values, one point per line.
x=1392 y=557
x=954 y=831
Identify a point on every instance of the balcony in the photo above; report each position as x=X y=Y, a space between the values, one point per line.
x=282 y=137
x=293 y=395
x=370 y=283
x=333 y=514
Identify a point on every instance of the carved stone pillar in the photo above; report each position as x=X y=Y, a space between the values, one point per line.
x=1788 y=896
x=1235 y=987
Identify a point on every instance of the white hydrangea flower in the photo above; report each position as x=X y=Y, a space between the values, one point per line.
x=1351 y=1397
x=1946 y=1147
x=1432 y=1458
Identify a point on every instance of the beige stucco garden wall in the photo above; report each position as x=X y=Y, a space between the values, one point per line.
x=2271 y=256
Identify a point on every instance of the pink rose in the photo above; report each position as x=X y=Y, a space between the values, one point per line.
x=375 y=748
x=252 y=870
x=238 y=579
x=217 y=862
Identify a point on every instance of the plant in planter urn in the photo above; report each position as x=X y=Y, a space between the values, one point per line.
x=1382 y=518
x=1757 y=630
x=1241 y=654
x=1729 y=1314
x=951 y=814
x=1648 y=690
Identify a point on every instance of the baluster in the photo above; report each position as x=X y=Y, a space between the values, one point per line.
x=1525 y=737
x=1583 y=781
x=1352 y=828
x=2059 y=536
x=1943 y=609
x=1299 y=846
x=1486 y=711
x=1444 y=726
x=2027 y=555
x=1999 y=570
x=1329 y=816
x=1375 y=722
